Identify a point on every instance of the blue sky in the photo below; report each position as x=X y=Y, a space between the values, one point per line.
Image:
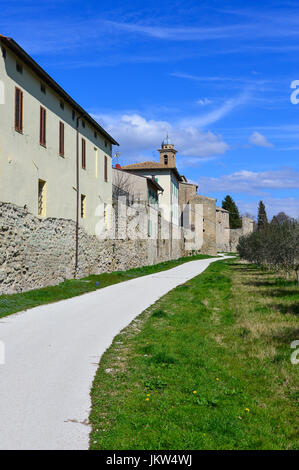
x=215 y=75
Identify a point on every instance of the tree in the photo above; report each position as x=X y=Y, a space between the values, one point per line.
x=229 y=204
x=262 y=220
x=281 y=217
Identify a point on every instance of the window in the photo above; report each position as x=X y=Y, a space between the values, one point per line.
x=19 y=67
x=42 y=127
x=105 y=168
x=83 y=154
x=41 y=198
x=61 y=139
x=105 y=143
x=43 y=88
x=3 y=52
x=83 y=206
x=83 y=124
x=165 y=160
x=95 y=135
x=19 y=110
x=61 y=104
x=73 y=115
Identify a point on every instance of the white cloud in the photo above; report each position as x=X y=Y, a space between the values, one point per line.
x=260 y=140
x=250 y=182
x=138 y=136
x=204 y=102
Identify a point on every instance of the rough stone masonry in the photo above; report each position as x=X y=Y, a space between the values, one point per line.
x=38 y=252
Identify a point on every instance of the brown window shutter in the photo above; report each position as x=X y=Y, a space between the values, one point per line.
x=41 y=126
x=44 y=127
x=18 y=110
x=84 y=154
x=21 y=111
x=106 y=169
x=61 y=139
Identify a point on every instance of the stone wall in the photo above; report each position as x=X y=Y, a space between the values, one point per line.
x=235 y=234
x=41 y=252
x=222 y=230
x=209 y=224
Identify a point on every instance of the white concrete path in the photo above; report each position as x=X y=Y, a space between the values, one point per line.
x=52 y=354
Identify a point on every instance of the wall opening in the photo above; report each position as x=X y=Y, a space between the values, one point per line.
x=41 y=198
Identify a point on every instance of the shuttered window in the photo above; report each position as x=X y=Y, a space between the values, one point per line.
x=42 y=127
x=105 y=168
x=19 y=110
x=61 y=139
x=84 y=154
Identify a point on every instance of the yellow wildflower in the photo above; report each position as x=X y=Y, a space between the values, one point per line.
x=247 y=409
x=147 y=399
x=195 y=392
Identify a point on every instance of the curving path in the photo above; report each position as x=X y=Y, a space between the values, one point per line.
x=52 y=354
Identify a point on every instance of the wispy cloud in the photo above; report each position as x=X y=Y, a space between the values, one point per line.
x=204 y=102
x=196 y=78
x=259 y=140
x=209 y=118
x=180 y=33
x=274 y=26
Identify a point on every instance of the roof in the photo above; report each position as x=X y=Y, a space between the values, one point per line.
x=152 y=166
x=152 y=181
x=187 y=183
x=221 y=209
x=155 y=184
x=11 y=44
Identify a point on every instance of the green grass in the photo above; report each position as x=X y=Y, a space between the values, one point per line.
x=206 y=367
x=13 y=303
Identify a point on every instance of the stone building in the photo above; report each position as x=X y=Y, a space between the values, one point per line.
x=135 y=188
x=167 y=175
x=55 y=159
x=202 y=214
x=56 y=172
x=222 y=230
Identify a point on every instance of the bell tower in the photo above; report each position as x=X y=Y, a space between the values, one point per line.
x=167 y=153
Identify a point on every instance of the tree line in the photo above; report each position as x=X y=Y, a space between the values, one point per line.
x=273 y=244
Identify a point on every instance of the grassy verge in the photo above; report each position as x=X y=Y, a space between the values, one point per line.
x=23 y=301
x=207 y=367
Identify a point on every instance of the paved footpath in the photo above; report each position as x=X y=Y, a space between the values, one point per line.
x=52 y=353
